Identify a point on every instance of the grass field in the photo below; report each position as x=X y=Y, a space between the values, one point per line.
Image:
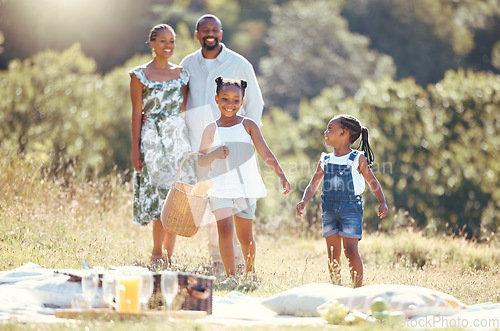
x=56 y=223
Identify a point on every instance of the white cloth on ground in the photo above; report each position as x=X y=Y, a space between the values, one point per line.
x=30 y=294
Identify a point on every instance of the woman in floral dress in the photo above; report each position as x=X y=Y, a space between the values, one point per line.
x=159 y=143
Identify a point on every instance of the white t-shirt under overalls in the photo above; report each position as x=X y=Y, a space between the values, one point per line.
x=357 y=177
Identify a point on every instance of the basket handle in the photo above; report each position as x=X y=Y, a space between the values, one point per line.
x=182 y=162
x=196 y=293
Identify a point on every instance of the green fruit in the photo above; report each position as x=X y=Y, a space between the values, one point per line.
x=379 y=304
x=382 y=315
x=334 y=313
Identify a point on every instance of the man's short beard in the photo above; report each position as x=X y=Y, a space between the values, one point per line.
x=210 y=48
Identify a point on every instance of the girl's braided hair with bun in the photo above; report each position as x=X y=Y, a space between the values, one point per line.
x=221 y=82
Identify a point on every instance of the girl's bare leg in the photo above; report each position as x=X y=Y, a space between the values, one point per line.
x=247 y=242
x=225 y=230
x=334 y=246
x=355 y=263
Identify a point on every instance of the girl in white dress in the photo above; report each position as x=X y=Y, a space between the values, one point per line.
x=228 y=147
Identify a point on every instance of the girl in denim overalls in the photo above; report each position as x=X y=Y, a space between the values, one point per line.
x=343 y=173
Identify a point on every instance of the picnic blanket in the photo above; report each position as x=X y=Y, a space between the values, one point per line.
x=31 y=293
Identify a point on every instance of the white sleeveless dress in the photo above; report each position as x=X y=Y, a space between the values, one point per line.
x=238 y=175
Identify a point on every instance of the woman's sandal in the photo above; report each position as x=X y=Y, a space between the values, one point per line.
x=158 y=260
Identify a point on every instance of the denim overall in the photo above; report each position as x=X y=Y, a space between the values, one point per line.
x=342 y=210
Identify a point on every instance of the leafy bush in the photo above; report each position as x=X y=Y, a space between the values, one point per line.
x=52 y=109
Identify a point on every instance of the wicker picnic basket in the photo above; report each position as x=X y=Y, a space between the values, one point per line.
x=182 y=212
x=195 y=293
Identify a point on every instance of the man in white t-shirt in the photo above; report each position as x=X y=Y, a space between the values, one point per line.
x=214 y=59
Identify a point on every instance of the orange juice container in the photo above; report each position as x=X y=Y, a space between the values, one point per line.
x=128 y=292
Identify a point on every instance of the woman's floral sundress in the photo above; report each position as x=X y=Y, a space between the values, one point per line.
x=164 y=142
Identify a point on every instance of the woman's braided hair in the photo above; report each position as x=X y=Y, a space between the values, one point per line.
x=157 y=28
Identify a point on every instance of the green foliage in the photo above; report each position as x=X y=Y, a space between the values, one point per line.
x=249 y=31
x=466 y=105
x=315 y=51
x=482 y=17
x=116 y=103
x=48 y=111
x=56 y=108
x=173 y=12
x=427 y=37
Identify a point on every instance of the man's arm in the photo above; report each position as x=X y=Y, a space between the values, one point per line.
x=254 y=103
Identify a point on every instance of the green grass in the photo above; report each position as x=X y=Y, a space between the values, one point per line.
x=56 y=223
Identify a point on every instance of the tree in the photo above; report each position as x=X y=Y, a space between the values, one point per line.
x=427 y=37
x=466 y=106
x=483 y=18
x=311 y=48
x=52 y=108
